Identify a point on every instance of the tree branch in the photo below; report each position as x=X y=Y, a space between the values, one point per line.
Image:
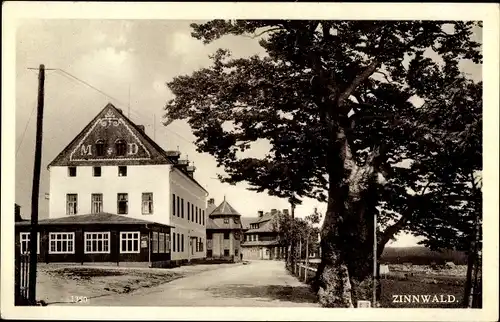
x=369 y=70
x=262 y=33
x=396 y=227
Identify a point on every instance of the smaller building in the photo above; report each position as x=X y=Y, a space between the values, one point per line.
x=262 y=237
x=101 y=237
x=224 y=232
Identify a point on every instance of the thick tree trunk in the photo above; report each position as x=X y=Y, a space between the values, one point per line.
x=345 y=274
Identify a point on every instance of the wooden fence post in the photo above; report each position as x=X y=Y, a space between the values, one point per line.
x=17 y=275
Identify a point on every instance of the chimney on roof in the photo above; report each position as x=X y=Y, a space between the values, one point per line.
x=274 y=212
x=190 y=170
x=142 y=128
x=182 y=164
x=261 y=213
x=211 y=201
x=174 y=155
x=17 y=213
x=285 y=212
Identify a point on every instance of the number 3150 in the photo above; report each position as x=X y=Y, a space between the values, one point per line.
x=79 y=299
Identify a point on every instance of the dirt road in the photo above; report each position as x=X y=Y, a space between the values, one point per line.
x=260 y=283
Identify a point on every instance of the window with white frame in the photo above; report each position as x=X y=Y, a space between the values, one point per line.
x=122 y=171
x=167 y=243
x=97 y=171
x=25 y=243
x=155 y=242
x=62 y=243
x=99 y=148
x=71 y=204
x=147 y=203
x=129 y=242
x=161 y=240
x=72 y=171
x=96 y=242
x=122 y=203
x=174 y=208
x=201 y=245
x=96 y=203
x=121 y=147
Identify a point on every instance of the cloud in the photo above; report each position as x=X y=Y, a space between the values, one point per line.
x=183 y=45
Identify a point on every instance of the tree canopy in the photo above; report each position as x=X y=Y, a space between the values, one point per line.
x=373 y=117
x=236 y=102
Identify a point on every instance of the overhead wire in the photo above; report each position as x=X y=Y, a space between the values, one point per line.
x=136 y=113
x=76 y=79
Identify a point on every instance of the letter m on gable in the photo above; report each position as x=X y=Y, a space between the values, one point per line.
x=86 y=149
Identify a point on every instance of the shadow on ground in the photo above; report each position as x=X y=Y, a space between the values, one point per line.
x=295 y=294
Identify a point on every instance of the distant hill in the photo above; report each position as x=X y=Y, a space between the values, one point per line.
x=420 y=255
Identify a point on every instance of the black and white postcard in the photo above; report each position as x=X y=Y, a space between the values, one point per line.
x=262 y=161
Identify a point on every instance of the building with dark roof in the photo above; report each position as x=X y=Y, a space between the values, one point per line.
x=224 y=232
x=261 y=237
x=116 y=195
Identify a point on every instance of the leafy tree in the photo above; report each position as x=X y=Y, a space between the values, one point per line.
x=336 y=101
x=311 y=232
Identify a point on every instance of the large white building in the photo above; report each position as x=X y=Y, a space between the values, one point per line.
x=113 y=167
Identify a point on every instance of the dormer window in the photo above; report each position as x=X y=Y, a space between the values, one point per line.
x=121 y=147
x=99 y=147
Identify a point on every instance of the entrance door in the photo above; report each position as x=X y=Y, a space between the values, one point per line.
x=193 y=245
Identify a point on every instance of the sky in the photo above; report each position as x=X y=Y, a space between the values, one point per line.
x=130 y=61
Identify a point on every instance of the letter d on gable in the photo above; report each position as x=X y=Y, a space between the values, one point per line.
x=133 y=148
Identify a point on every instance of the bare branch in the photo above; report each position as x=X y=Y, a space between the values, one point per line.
x=369 y=70
x=396 y=227
x=262 y=33
x=385 y=76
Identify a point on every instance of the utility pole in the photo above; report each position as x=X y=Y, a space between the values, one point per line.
x=128 y=114
x=36 y=188
x=375 y=262
x=292 y=244
x=154 y=127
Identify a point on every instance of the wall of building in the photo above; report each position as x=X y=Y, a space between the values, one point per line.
x=252 y=252
x=139 y=179
x=218 y=244
x=113 y=255
x=187 y=191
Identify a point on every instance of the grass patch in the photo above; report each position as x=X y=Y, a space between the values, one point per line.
x=59 y=285
x=86 y=273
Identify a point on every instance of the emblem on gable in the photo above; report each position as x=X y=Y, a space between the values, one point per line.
x=110 y=138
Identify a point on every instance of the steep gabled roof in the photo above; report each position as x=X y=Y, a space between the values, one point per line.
x=246 y=221
x=224 y=209
x=111 y=124
x=265 y=227
x=211 y=224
